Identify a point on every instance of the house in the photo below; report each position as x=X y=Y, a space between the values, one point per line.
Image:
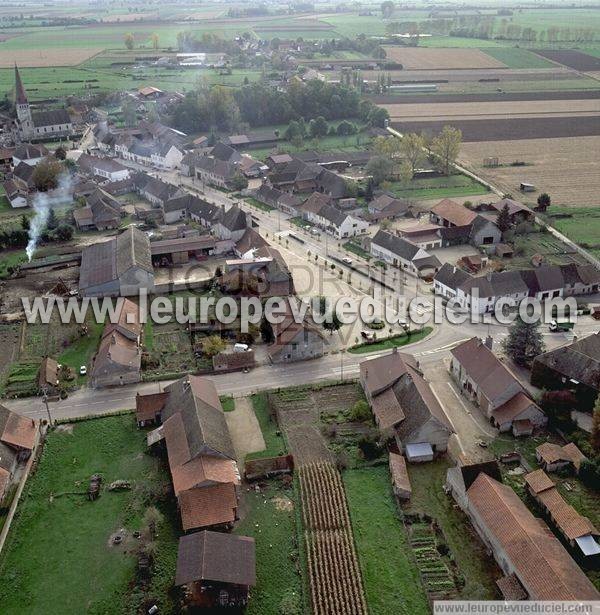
x=487 y=382
x=248 y=243
x=250 y=167
x=231 y=224
x=29 y=153
x=6 y=158
x=233 y=361
x=553 y=457
x=215 y=172
x=574 y=366
x=578 y=531
x=151 y=144
x=119 y=357
x=447 y=279
x=276 y=162
x=532 y=558
x=286 y=202
x=18 y=438
x=101 y=212
x=517 y=212
x=15 y=194
x=296 y=176
x=480 y=294
x=387 y=207
x=404 y=405
x=295 y=341
x=154 y=190
x=30 y=125
x=319 y=210
x=484 y=232
x=261 y=139
x=403 y=254
x=424 y=236
x=103 y=169
x=200 y=454
x=399 y=473
x=225 y=153
x=121 y=266
x=23 y=177
x=216 y=569
x=449 y=213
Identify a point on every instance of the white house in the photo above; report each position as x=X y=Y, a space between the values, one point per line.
x=403 y=254
x=107 y=168
x=448 y=279
x=339 y=223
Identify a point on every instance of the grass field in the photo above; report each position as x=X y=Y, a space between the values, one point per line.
x=516 y=57
x=583 y=226
x=58 y=556
x=270 y=517
x=10 y=259
x=437 y=188
x=275 y=444
x=388 y=569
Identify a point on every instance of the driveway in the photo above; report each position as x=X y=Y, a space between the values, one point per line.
x=244 y=429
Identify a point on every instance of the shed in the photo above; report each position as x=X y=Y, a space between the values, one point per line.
x=400 y=479
x=503 y=250
x=419 y=452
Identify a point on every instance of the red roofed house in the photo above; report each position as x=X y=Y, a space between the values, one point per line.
x=523 y=545
x=553 y=457
x=18 y=436
x=404 y=404
x=483 y=378
x=449 y=213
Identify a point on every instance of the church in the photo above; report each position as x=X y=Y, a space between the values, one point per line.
x=38 y=125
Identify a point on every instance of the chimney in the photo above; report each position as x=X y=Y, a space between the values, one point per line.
x=489 y=342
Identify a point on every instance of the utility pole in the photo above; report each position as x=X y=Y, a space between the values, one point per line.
x=45 y=400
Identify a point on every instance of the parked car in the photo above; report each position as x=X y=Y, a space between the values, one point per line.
x=347 y=260
x=83 y=370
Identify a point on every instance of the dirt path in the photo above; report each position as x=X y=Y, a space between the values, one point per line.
x=244 y=429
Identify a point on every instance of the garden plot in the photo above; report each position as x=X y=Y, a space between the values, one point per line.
x=170 y=352
x=423 y=58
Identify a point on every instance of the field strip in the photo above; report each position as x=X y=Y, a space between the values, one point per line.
x=450 y=118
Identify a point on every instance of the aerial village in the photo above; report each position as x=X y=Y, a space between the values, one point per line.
x=308 y=466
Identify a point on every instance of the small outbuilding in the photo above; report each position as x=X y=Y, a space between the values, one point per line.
x=400 y=479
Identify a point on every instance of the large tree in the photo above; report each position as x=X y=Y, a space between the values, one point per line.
x=380 y=169
x=445 y=148
x=413 y=150
x=503 y=220
x=524 y=342
x=543 y=201
x=45 y=175
x=387 y=9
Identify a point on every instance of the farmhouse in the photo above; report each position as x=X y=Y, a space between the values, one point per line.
x=102 y=169
x=387 y=207
x=119 y=357
x=153 y=189
x=404 y=404
x=295 y=341
x=517 y=212
x=553 y=457
x=217 y=569
x=151 y=144
x=448 y=279
x=523 y=545
x=576 y=529
x=273 y=197
x=121 y=266
x=231 y=224
x=101 y=212
x=38 y=125
x=29 y=153
x=200 y=452
x=486 y=381
x=449 y=213
x=424 y=236
x=404 y=254
x=575 y=366
x=215 y=172
x=267 y=138
x=16 y=195
x=23 y=177
x=319 y=210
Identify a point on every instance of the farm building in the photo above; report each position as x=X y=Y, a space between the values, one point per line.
x=15 y=194
x=553 y=457
x=216 y=569
x=404 y=254
x=486 y=381
x=148 y=408
x=118 y=267
x=574 y=366
x=404 y=405
x=177 y=251
x=29 y=153
x=534 y=561
x=447 y=279
x=449 y=213
x=577 y=530
x=399 y=474
x=101 y=212
x=102 y=169
x=119 y=357
x=199 y=450
x=387 y=207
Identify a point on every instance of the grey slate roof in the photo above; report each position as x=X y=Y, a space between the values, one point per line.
x=451 y=276
x=234 y=219
x=395 y=244
x=52 y=117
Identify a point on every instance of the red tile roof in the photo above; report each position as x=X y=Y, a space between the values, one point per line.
x=456 y=214
x=148 y=406
x=16 y=430
x=208 y=506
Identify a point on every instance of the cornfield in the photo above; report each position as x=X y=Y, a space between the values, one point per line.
x=334 y=574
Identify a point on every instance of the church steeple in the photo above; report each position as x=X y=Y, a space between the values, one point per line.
x=20 y=95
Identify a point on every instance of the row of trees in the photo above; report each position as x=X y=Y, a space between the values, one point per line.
x=259 y=104
x=401 y=158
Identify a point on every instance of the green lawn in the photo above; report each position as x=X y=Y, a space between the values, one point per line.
x=10 y=259
x=437 y=187
x=58 y=558
x=255 y=203
x=516 y=57
x=476 y=568
x=389 y=572
x=353 y=247
x=228 y=403
x=83 y=349
x=270 y=518
x=275 y=444
x=583 y=227
x=392 y=342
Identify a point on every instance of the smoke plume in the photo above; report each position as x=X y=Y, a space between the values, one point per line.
x=42 y=203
